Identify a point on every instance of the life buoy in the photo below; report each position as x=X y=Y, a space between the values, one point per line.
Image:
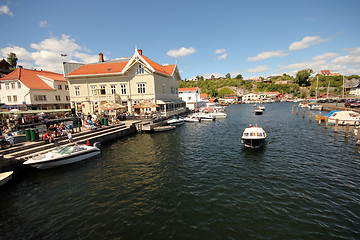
x=258 y=134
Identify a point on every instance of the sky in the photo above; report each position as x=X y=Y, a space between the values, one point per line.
x=252 y=38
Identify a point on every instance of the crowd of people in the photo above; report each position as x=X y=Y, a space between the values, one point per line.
x=56 y=131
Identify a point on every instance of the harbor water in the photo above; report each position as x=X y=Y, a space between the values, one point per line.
x=198 y=182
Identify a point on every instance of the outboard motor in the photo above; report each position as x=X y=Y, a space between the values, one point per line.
x=97 y=144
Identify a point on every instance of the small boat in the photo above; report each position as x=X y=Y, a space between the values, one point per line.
x=175 y=121
x=303 y=105
x=259 y=111
x=62 y=155
x=218 y=114
x=315 y=106
x=345 y=117
x=192 y=118
x=164 y=128
x=5 y=177
x=261 y=107
x=205 y=117
x=253 y=137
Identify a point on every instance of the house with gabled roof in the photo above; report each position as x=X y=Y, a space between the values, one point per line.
x=127 y=81
x=32 y=89
x=192 y=97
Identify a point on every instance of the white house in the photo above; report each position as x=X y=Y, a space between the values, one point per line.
x=355 y=90
x=31 y=89
x=192 y=97
x=126 y=81
x=251 y=97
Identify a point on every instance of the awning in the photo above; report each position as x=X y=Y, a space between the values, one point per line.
x=166 y=101
x=36 y=111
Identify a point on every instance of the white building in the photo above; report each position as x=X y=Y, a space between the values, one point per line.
x=192 y=97
x=251 y=97
x=31 y=89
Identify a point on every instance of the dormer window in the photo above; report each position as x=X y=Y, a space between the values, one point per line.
x=140 y=70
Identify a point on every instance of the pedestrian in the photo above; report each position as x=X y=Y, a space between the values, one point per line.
x=70 y=137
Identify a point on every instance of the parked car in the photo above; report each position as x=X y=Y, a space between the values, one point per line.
x=352 y=104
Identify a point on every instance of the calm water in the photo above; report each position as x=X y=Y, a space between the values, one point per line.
x=198 y=182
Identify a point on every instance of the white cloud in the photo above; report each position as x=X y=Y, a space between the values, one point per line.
x=222 y=56
x=47 y=54
x=181 y=52
x=265 y=55
x=305 y=43
x=220 y=51
x=4 y=9
x=325 y=56
x=43 y=24
x=261 y=68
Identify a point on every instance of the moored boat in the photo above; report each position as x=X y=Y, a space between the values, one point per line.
x=5 y=177
x=315 y=106
x=192 y=118
x=259 y=111
x=175 y=121
x=253 y=137
x=345 y=117
x=317 y=117
x=62 y=155
x=164 y=128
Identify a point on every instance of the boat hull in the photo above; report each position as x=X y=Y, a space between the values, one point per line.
x=253 y=143
x=5 y=177
x=164 y=128
x=63 y=160
x=257 y=112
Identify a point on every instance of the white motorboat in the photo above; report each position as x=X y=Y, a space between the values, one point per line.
x=205 y=117
x=175 y=121
x=303 y=105
x=315 y=106
x=192 y=118
x=259 y=111
x=164 y=128
x=253 y=137
x=261 y=107
x=62 y=155
x=218 y=114
x=345 y=117
x=5 y=177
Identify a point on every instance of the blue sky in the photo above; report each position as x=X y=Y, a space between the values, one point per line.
x=253 y=38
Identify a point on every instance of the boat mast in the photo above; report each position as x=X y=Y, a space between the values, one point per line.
x=327 y=94
x=317 y=83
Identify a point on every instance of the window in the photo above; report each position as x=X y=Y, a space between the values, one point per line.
x=40 y=97
x=141 y=87
x=67 y=98
x=13 y=85
x=123 y=89
x=7 y=86
x=59 y=87
x=102 y=89
x=77 y=91
x=15 y=98
x=66 y=87
x=19 y=84
x=140 y=69
x=57 y=98
x=163 y=88
x=113 y=88
x=93 y=89
x=9 y=98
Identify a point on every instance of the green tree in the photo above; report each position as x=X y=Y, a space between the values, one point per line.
x=228 y=76
x=302 y=77
x=12 y=60
x=239 y=77
x=223 y=91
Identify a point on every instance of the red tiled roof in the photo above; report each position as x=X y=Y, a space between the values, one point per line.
x=118 y=67
x=203 y=95
x=31 y=78
x=100 y=68
x=188 y=89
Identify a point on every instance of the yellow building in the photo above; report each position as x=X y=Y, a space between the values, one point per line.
x=126 y=81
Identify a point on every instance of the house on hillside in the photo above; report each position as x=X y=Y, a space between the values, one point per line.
x=31 y=89
x=126 y=81
x=231 y=98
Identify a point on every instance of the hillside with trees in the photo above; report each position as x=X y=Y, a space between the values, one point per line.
x=298 y=86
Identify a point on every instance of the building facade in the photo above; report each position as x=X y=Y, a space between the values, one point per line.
x=126 y=81
x=192 y=97
x=34 y=90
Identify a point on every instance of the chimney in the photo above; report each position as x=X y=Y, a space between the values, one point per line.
x=101 y=57
x=140 y=51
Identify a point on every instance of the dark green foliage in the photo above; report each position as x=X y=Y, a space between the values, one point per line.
x=12 y=60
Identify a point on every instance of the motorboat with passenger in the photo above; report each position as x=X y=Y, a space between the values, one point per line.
x=62 y=155
x=253 y=137
x=259 y=111
x=175 y=121
x=192 y=118
x=345 y=117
